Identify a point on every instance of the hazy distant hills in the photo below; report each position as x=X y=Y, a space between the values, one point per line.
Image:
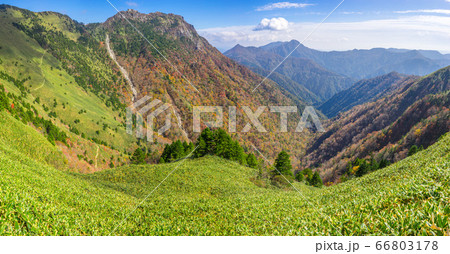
x=360 y=64
x=327 y=73
x=305 y=73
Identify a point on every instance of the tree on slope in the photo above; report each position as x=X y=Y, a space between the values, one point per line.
x=252 y=162
x=205 y=143
x=316 y=181
x=138 y=157
x=283 y=164
x=222 y=144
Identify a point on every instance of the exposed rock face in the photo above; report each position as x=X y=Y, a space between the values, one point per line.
x=171 y=25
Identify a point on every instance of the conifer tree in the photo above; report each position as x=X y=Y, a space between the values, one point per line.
x=186 y=147
x=138 y=157
x=383 y=163
x=222 y=144
x=201 y=148
x=316 y=181
x=237 y=153
x=283 y=164
x=165 y=156
x=308 y=174
x=374 y=165
x=177 y=151
x=363 y=169
x=252 y=162
x=205 y=143
x=300 y=177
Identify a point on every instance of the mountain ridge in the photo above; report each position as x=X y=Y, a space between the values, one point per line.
x=354 y=64
x=417 y=113
x=80 y=61
x=304 y=72
x=363 y=91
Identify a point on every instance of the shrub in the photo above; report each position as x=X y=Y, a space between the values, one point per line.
x=413 y=150
x=281 y=181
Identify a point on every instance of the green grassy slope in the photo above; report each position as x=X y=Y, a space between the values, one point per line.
x=212 y=196
x=16 y=136
x=22 y=57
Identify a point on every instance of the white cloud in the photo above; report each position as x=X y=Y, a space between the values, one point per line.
x=282 y=5
x=274 y=24
x=411 y=32
x=434 y=11
x=352 y=12
x=132 y=4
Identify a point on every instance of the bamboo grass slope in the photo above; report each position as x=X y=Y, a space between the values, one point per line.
x=213 y=196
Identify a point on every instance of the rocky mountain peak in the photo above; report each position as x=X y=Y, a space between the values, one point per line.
x=170 y=25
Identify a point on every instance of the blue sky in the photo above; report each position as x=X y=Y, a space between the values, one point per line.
x=423 y=24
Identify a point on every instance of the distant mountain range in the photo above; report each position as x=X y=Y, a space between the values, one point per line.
x=327 y=73
x=300 y=76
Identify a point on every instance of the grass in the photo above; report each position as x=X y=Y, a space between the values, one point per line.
x=17 y=136
x=49 y=81
x=212 y=196
x=21 y=57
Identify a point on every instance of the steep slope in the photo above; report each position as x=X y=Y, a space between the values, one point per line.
x=74 y=81
x=361 y=64
x=416 y=114
x=302 y=71
x=362 y=92
x=211 y=196
x=258 y=61
x=177 y=66
x=40 y=74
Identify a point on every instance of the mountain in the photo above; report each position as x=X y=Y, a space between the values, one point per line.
x=218 y=80
x=69 y=167
x=363 y=64
x=81 y=78
x=362 y=92
x=416 y=113
x=300 y=76
x=431 y=54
